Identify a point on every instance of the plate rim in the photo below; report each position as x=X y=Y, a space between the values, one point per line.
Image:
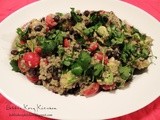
x=32 y=4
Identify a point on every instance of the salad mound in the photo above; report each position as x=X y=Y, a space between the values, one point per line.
x=80 y=53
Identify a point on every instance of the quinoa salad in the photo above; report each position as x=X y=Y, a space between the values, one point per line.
x=80 y=53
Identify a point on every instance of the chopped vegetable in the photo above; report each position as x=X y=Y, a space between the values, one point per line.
x=74 y=16
x=125 y=72
x=93 y=46
x=66 y=43
x=22 y=33
x=31 y=59
x=98 y=68
x=90 y=90
x=14 y=64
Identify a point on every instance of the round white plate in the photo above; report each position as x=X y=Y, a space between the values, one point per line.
x=143 y=89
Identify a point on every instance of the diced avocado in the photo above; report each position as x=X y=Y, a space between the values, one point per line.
x=79 y=27
x=31 y=44
x=68 y=79
x=102 y=31
x=109 y=79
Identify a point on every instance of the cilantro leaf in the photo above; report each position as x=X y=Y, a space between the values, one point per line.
x=47 y=45
x=67 y=61
x=84 y=60
x=125 y=72
x=52 y=41
x=74 y=16
x=14 y=64
x=77 y=69
x=98 y=69
x=21 y=33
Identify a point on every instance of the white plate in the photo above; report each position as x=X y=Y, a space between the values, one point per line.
x=142 y=91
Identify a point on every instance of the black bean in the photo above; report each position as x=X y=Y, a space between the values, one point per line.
x=86 y=13
x=62 y=20
x=76 y=35
x=26 y=50
x=94 y=13
x=113 y=53
x=48 y=80
x=43 y=19
x=118 y=84
x=116 y=54
x=25 y=37
x=33 y=72
x=109 y=53
x=80 y=14
x=105 y=19
x=38 y=28
x=50 y=69
x=14 y=52
x=74 y=90
x=87 y=24
x=56 y=18
x=71 y=21
x=56 y=78
x=71 y=31
x=93 y=53
x=54 y=71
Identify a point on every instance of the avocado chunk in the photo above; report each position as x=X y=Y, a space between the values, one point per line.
x=67 y=80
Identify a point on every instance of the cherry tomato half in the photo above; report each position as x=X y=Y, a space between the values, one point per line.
x=22 y=66
x=22 y=42
x=50 y=21
x=93 y=46
x=91 y=90
x=66 y=43
x=38 y=49
x=31 y=59
x=99 y=56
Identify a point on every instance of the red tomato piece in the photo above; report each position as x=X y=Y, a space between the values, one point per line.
x=93 y=46
x=47 y=29
x=31 y=59
x=106 y=60
x=22 y=66
x=66 y=43
x=99 y=56
x=33 y=79
x=38 y=49
x=91 y=90
x=22 y=42
x=50 y=21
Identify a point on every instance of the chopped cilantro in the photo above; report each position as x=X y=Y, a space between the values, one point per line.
x=14 y=64
x=125 y=72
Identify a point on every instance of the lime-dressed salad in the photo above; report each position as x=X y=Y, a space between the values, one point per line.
x=80 y=53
